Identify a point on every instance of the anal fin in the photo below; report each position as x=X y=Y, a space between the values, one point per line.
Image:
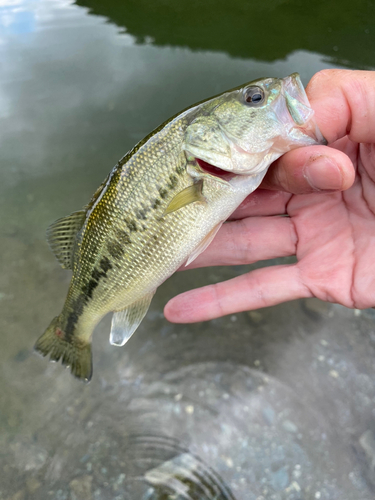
x=126 y=321
x=203 y=244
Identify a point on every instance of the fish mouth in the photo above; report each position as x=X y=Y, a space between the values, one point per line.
x=208 y=168
x=299 y=109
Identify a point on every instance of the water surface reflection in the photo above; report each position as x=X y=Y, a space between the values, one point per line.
x=272 y=404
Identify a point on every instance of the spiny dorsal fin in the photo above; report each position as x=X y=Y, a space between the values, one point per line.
x=126 y=321
x=188 y=195
x=61 y=236
x=97 y=193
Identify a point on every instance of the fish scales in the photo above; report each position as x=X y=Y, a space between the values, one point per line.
x=160 y=206
x=133 y=187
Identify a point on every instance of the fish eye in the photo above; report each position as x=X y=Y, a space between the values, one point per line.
x=254 y=95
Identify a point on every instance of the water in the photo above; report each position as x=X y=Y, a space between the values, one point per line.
x=276 y=404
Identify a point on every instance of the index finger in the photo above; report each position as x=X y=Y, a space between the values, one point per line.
x=344 y=104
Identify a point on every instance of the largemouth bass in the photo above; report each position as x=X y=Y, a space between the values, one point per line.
x=163 y=203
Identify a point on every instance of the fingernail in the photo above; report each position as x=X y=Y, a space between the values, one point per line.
x=323 y=174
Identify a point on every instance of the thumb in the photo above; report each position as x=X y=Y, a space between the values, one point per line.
x=310 y=169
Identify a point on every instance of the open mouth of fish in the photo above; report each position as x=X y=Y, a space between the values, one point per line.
x=215 y=171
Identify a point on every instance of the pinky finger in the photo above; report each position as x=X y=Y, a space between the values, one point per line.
x=260 y=288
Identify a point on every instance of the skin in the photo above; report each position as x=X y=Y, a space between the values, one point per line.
x=328 y=192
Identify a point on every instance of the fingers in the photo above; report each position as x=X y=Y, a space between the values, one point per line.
x=344 y=104
x=261 y=288
x=262 y=202
x=249 y=240
x=311 y=169
x=301 y=171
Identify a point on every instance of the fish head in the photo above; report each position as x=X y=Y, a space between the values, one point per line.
x=245 y=129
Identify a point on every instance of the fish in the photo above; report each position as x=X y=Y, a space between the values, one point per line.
x=162 y=205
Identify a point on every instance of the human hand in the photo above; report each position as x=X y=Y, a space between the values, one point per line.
x=328 y=194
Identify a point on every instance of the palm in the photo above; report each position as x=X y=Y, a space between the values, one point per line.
x=335 y=237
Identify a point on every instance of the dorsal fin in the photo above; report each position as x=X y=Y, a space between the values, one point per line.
x=61 y=236
x=98 y=192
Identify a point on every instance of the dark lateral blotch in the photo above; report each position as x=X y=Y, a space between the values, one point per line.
x=132 y=226
x=96 y=274
x=115 y=249
x=123 y=237
x=74 y=315
x=90 y=287
x=157 y=203
x=174 y=181
x=105 y=264
x=141 y=214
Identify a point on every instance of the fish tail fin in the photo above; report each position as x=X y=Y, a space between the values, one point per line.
x=72 y=351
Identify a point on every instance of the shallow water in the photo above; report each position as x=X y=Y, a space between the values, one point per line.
x=275 y=404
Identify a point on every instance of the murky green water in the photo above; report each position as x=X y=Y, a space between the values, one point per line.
x=276 y=404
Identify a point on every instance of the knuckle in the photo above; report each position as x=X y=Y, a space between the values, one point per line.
x=322 y=77
x=285 y=178
x=218 y=299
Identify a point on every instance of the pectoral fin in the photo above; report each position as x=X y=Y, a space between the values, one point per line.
x=188 y=195
x=126 y=321
x=204 y=244
x=61 y=236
